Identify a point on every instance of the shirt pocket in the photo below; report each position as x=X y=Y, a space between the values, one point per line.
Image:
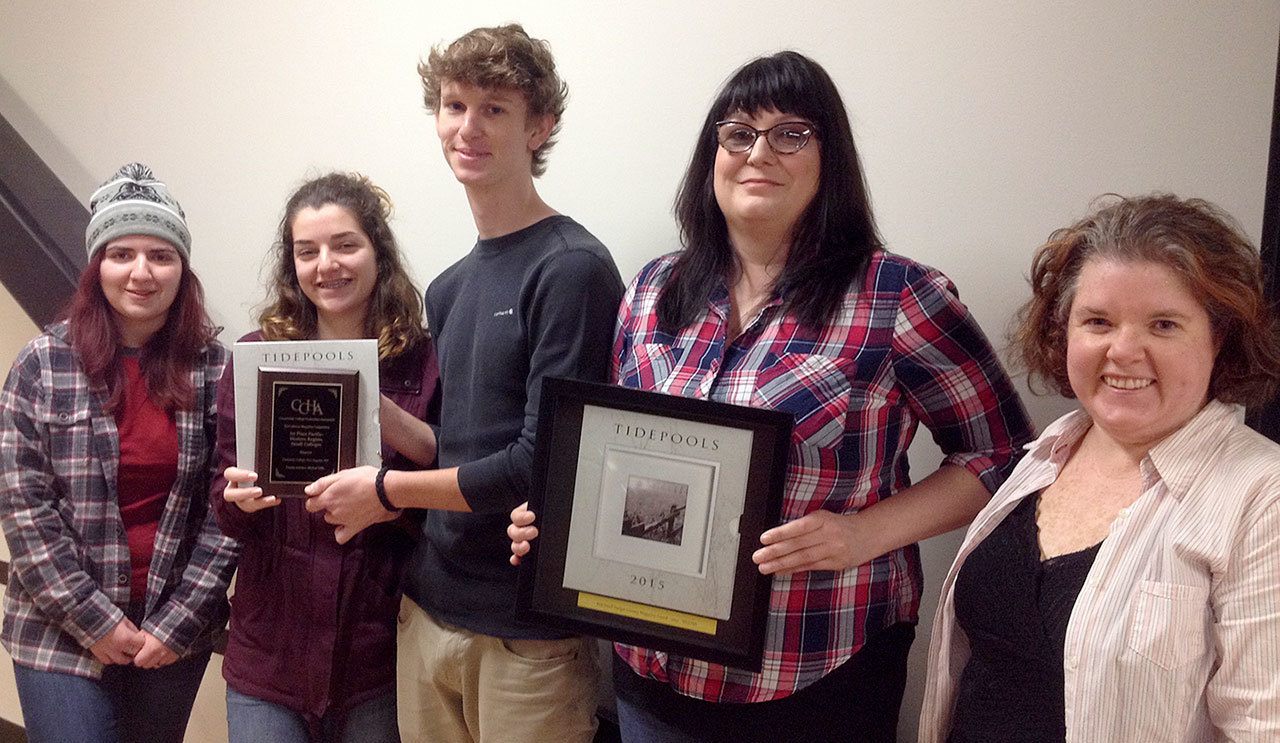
x=1169 y=623
x=649 y=366
x=68 y=428
x=814 y=390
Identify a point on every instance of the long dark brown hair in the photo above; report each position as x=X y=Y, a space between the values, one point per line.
x=395 y=309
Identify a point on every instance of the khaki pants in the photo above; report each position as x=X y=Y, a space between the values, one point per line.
x=455 y=686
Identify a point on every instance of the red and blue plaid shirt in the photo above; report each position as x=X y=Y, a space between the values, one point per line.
x=69 y=576
x=900 y=350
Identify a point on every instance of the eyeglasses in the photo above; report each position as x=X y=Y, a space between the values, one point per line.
x=786 y=138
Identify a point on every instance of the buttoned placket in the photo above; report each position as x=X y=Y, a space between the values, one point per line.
x=719 y=310
x=1095 y=584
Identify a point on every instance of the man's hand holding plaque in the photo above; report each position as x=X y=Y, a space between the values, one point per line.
x=349 y=501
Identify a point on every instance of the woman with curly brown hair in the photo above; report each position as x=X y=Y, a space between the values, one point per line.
x=311 y=653
x=1121 y=584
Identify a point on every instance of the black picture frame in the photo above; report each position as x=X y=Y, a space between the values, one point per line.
x=614 y=470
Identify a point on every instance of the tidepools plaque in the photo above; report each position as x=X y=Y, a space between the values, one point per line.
x=306 y=426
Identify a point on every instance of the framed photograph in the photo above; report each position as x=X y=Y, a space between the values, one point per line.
x=649 y=507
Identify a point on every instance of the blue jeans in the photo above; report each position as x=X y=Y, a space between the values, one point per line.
x=252 y=720
x=128 y=704
x=641 y=727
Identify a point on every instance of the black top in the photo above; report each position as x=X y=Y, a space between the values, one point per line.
x=541 y=301
x=1014 y=608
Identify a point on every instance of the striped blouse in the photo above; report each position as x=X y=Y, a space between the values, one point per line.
x=1176 y=634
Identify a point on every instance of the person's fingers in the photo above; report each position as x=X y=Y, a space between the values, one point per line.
x=236 y=494
x=780 y=549
x=250 y=500
x=792 y=529
x=143 y=659
x=804 y=558
x=266 y=501
x=522 y=516
x=321 y=485
x=134 y=644
x=522 y=533
x=238 y=475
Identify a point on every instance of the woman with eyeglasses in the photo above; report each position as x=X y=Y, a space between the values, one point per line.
x=119 y=574
x=783 y=297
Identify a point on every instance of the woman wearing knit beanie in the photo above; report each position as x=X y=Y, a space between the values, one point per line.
x=119 y=573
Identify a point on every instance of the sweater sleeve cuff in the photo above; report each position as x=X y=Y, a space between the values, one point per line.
x=484 y=487
x=233 y=521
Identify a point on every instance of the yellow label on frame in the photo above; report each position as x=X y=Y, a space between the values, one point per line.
x=647 y=613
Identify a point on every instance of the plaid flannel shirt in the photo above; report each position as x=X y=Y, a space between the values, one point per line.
x=69 y=575
x=900 y=350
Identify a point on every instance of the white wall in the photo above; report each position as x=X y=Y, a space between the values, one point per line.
x=983 y=125
x=15 y=330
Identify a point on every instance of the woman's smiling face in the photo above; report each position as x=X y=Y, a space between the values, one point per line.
x=1140 y=350
x=762 y=187
x=335 y=262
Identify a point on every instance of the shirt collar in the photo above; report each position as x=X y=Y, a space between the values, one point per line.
x=60 y=330
x=718 y=301
x=1059 y=439
x=1180 y=457
x=1177 y=460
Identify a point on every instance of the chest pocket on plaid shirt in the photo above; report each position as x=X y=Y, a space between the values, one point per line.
x=814 y=390
x=70 y=429
x=650 y=366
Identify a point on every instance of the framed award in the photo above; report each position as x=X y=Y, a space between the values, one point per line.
x=649 y=507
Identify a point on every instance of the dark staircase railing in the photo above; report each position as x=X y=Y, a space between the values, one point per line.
x=41 y=230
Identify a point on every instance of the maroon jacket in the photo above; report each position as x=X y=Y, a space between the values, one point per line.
x=313 y=623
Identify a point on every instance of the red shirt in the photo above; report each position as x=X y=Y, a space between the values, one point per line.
x=148 y=468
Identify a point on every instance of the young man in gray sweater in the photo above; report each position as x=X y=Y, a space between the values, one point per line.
x=537 y=296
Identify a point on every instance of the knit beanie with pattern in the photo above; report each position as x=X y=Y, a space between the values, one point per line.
x=133 y=202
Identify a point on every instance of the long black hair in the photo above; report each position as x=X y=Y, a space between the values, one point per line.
x=833 y=239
